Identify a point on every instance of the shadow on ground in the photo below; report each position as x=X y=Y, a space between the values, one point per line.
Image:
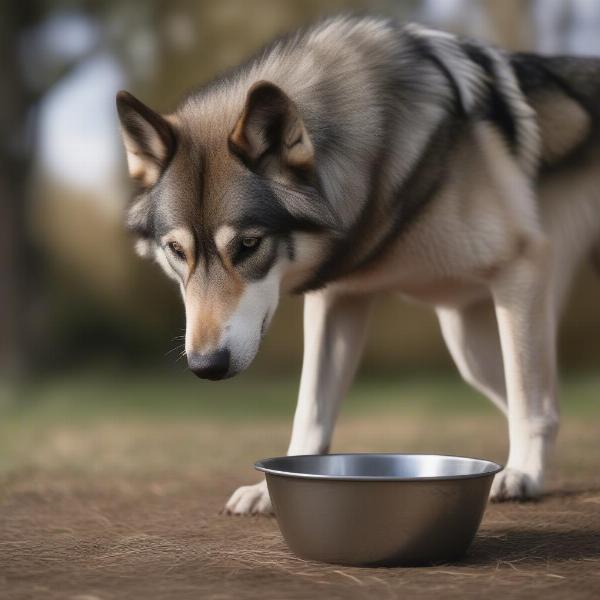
x=532 y=546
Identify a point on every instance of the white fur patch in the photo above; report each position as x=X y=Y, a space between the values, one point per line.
x=185 y=239
x=223 y=236
x=161 y=259
x=144 y=248
x=243 y=332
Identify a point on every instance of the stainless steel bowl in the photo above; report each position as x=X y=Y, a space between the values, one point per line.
x=378 y=509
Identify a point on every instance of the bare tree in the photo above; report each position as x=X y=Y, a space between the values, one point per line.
x=19 y=265
x=16 y=255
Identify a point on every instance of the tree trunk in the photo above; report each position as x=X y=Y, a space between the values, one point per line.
x=16 y=255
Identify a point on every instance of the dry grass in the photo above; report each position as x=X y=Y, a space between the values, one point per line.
x=126 y=510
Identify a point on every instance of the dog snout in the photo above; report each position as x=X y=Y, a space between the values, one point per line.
x=212 y=365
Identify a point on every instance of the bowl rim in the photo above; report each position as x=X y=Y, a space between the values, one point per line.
x=260 y=465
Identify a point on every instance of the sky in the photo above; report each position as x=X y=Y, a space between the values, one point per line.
x=78 y=125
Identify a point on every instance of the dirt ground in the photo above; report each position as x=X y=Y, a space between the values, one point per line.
x=128 y=510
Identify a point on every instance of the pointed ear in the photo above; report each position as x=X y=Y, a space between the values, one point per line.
x=148 y=138
x=270 y=132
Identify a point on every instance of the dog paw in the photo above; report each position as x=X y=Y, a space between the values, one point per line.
x=250 y=500
x=512 y=484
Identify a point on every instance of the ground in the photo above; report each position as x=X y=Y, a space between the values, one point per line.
x=111 y=489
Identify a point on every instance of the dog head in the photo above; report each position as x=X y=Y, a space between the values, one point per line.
x=228 y=204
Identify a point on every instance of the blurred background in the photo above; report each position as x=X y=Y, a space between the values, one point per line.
x=74 y=297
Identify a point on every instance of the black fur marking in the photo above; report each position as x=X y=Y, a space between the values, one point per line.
x=290 y=247
x=577 y=77
x=345 y=243
x=411 y=199
x=279 y=210
x=423 y=46
x=421 y=186
x=254 y=264
x=496 y=109
x=240 y=253
x=260 y=269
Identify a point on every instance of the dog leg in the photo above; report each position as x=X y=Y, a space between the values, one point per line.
x=527 y=325
x=335 y=331
x=334 y=334
x=471 y=335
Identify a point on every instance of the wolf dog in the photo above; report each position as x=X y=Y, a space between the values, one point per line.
x=361 y=156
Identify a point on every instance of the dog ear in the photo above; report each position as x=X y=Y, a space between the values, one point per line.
x=270 y=127
x=148 y=138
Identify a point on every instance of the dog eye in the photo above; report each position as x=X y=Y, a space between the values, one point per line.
x=246 y=246
x=250 y=243
x=177 y=250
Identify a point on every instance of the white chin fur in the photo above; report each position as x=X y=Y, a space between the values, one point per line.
x=244 y=330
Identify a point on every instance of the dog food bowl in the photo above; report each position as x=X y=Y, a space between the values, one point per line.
x=379 y=509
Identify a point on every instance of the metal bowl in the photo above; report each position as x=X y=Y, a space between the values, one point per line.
x=378 y=509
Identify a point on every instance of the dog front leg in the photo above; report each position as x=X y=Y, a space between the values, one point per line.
x=526 y=322
x=334 y=334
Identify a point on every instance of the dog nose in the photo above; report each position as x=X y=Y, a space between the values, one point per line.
x=213 y=365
